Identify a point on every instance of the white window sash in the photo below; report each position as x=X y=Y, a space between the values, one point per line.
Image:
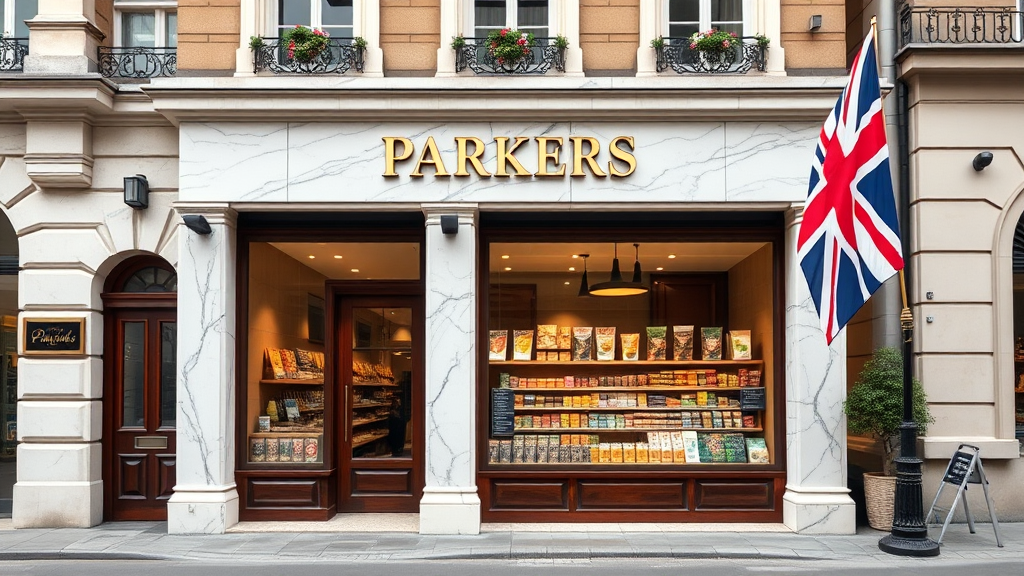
x=511 y=17
x=160 y=9
x=273 y=29
x=704 y=22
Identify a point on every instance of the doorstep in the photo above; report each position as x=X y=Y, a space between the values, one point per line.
x=410 y=523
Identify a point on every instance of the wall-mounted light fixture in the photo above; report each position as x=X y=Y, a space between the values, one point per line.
x=981 y=161
x=814 y=24
x=136 y=191
x=449 y=224
x=197 y=223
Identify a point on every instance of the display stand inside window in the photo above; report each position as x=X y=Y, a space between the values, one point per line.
x=291 y=427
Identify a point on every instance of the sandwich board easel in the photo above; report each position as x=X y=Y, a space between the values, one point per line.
x=964 y=468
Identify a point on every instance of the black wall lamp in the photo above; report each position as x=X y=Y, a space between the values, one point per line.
x=197 y=223
x=449 y=224
x=981 y=161
x=136 y=191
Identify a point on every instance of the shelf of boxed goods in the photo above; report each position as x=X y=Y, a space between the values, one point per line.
x=291 y=381
x=603 y=430
x=365 y=441
x=630 y=363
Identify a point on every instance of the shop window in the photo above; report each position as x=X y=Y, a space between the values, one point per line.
x=685 y=17
x=533 y=16
x=332 y=16
x=671 y=367
x=14 y=13
x=146 y=25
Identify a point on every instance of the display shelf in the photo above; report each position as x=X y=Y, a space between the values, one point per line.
x=629 y=409
x=358 y=443
x=587 y=389
x=291 y=381
x=599 y=430
x=369 y=421
x=382 y=348
x=376 y=384
x=627 y=363
x=370 y=405
x=285 y=434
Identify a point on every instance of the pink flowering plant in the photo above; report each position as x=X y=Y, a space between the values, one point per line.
x=508 y=47
x=713 y=41
x=305 y=44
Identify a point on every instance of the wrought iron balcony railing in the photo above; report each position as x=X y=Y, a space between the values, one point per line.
x=340 y=56
x=137 y=62
x=960 y=25
x=676 y=54
x=542 y=57
x=12 y=53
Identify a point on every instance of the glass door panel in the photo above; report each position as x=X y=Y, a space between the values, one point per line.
x=168 y=373
x=133 y=364
x=381 y=410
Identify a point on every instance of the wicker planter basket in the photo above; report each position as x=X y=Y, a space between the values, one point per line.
x=879 y=494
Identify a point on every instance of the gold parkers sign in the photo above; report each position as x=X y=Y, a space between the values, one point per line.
x=551 y=153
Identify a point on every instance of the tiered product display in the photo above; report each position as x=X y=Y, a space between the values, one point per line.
x=290 y=427
x=667 y=409
x=374 y=391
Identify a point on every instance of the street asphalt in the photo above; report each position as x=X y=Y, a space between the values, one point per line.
x=150 y=541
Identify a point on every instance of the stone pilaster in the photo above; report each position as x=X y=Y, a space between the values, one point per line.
x=205 y=500
x=64 y=38
x=450 y=503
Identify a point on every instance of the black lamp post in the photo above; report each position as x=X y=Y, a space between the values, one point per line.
x=909 y=536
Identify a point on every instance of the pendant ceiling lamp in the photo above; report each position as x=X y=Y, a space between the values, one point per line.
x=584 y=287
x=616 y=286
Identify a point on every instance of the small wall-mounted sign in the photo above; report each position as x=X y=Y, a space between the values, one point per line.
x=53 y=336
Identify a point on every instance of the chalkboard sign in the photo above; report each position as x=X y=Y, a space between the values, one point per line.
x=752 y=399
x=959 y=466
x=503 y=412
x=53 y=336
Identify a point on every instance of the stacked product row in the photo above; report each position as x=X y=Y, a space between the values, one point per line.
x=705 y=378
x=639 y=420
x=678 y=447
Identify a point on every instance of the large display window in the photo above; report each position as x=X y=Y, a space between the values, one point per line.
x=610 y=363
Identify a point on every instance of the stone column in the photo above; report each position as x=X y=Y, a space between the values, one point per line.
x=64 y=38
x=450 y=504
x=817 y=500
x=650 y=28
x=369 y=29
x=205 y=500
x=570 y=28
x=451 y=25
x=250 y=23
x=770 y=24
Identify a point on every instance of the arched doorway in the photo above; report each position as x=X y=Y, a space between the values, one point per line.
x=8 y=363
x=140 y=384
x=1018 y=328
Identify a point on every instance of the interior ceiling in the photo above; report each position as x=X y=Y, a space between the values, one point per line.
x=689 y=256
x=373 y=260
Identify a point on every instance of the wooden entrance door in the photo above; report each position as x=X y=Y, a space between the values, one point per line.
x=140 y=393
x=381 y=379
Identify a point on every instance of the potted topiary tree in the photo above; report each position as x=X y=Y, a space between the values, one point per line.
x=875 y=406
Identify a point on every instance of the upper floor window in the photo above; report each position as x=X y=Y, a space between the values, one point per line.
x=532 y=16
x=146 y=24
x=685 y=17
x=332 y=16
x=13 y=14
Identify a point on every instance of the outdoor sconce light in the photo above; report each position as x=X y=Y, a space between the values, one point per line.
x=136 y=191
x=449 y=224
x=981 y=161
x=197 y=223
x=814 y=24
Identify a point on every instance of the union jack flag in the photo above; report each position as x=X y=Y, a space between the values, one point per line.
x=849 y=239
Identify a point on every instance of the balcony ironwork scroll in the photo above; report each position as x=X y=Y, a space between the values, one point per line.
x=137 y=62
x=675 y=53
x=960 y=25
x=543 y=56
x=12 y=53
x=340 y=56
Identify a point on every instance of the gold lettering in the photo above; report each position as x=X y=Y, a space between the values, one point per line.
x=504 y=156
x=430 y=149
x=53 y=336
x=389 y=153
x=623 y=155
x=543 y=156
x=578 y=156
x=474 y=158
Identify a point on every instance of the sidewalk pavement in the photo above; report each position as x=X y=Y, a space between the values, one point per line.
x=150 y=541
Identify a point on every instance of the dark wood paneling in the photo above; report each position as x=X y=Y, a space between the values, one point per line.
x=598 y=495
x=167 y=472
x=133 y=476
x=734 y=495
x=382 y=482
x=511 y=494
x=277 y=493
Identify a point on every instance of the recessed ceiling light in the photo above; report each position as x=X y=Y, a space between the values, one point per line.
x=567 y=283
x=337 y=256
x=671 y=256
x=311 y=257
x=572 y=268
x=508 y=268
x=659 y=268
x=575 y=255
x=504 y=256
x=355 y=270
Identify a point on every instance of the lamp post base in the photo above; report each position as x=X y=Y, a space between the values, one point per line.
x=917 y=547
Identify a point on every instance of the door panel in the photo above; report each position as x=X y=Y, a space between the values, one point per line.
x=380 y=376
x=141 y=393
